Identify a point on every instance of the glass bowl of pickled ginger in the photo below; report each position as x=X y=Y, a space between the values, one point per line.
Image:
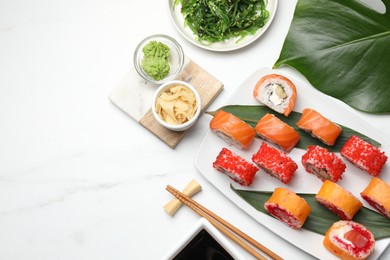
x=158 y=58
x=176 y=105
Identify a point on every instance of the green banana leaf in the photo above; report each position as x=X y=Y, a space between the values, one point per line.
x=343 y=49
x=320 y=218
x=251 y=114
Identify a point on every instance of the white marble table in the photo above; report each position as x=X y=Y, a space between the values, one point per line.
x=78 y=178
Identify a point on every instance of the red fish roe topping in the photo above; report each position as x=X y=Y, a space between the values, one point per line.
x=324 y=164
x=275 y=162
x=377 y=206
x=235 y=166
x=364 y=155
x=284 y=216
x=335 y=210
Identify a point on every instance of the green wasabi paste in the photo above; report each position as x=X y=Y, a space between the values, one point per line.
x=155 y=62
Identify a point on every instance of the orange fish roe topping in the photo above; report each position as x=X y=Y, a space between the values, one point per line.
x=364 y=155
x=275 y=162
x=235 y=166
x=322 y=163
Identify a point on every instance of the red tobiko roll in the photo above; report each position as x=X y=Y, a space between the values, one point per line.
x=364 y=155
x=278 y=164
x=236 y=167
x=322 y=163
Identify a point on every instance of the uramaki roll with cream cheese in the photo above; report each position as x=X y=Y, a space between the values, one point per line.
x=277 y=92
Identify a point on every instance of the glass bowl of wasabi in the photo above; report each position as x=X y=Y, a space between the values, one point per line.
x=158 y=58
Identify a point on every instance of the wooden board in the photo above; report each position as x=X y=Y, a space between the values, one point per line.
x=134 y=96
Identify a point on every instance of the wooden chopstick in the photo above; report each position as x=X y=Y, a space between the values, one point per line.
x=224 y=226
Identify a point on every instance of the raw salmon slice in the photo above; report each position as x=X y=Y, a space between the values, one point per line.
x=274 y=130
x=319 y=126
x=232 y=129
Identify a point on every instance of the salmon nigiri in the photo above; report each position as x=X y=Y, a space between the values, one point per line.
x=276 y=92
x=232 y=129
x=274 y=130
x=318 y=126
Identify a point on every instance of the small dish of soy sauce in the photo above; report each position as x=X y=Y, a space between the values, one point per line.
x=204 y=241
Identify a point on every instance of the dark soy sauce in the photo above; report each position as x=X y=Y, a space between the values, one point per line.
x=203 y=246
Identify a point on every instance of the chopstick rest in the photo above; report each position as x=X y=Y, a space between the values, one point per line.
x=191 y=189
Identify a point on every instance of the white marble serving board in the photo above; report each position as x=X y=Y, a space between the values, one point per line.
x=133 y=95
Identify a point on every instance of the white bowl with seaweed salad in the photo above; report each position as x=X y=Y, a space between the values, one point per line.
x=158 y=58
x=222 y=25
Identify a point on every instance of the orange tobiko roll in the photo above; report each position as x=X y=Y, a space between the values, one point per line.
x=377 y=194
x=274 y=130
x=288 y=207
x=349 y=240
x=338 y=200
x=319 y=126
x=232 y=129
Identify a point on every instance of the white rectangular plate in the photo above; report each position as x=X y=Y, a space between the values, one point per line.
x=353 y=179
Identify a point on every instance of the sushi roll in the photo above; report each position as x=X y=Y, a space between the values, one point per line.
x=232 y=129
x=349 y=240
x=288 y=207
x=274 y=130
x=364 y=155
x=322 y=163
x=377 y=194
x=275 y=162
x=338 y=200
x=319 y=127
x=236 y=167
x=276 y=92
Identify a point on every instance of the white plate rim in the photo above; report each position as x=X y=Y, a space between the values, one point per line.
x=312 y=242
x=178 y=21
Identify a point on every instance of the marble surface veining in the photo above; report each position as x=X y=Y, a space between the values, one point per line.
x=78 y=178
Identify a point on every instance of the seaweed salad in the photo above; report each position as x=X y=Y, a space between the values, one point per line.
x=219 y=20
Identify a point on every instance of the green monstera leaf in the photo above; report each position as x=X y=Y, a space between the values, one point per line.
x=343 y=49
